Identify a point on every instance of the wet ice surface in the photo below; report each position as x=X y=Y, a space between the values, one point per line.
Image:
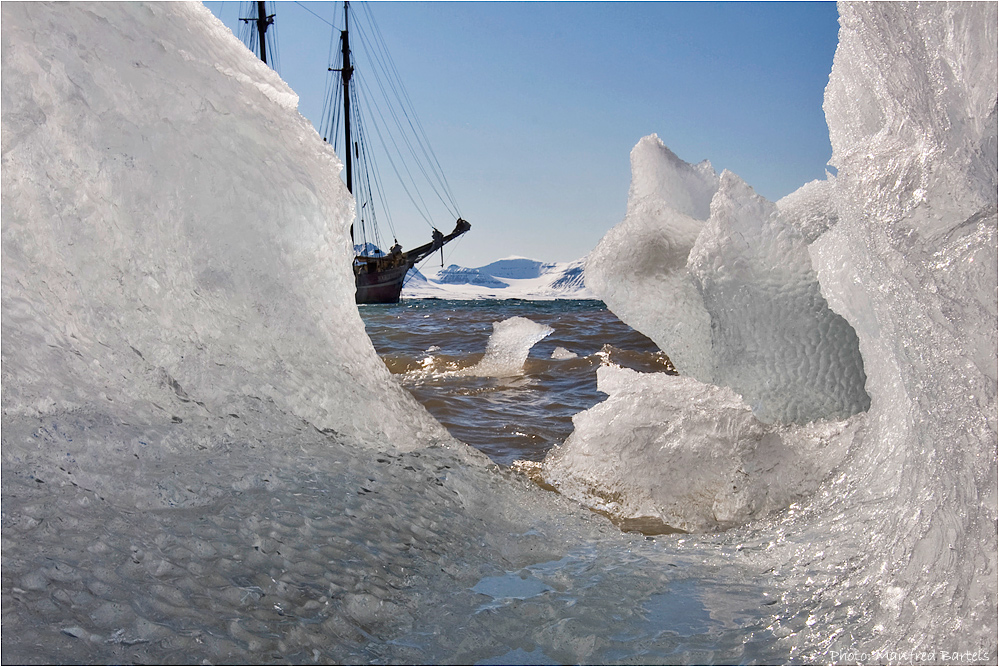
x=333 y=554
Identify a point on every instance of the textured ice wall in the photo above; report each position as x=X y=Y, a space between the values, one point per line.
x=774 y=339
x=721 y=279
x=911 y=263
x=204 y=461
x=149 y=272
x=898 y=549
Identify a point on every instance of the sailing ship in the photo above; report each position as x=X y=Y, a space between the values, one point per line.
x=379 y=276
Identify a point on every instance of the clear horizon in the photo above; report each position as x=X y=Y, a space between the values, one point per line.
x=533 y=108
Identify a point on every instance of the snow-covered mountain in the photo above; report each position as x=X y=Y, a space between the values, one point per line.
x=510 y=278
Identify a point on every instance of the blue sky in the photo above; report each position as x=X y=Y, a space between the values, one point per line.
x=533 y=108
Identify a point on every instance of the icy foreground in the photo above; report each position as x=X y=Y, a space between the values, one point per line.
x=205 y=461
x=902 y=243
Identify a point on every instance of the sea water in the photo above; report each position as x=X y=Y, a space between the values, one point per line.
x=520 y=409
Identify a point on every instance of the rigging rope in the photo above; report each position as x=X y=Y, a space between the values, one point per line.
x=421 y=206
x=314 y=14
x=394 y=111
x=363 y=185
x=390 y=74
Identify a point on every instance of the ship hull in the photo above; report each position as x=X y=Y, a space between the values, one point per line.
x=380 y=285
x=379 y=278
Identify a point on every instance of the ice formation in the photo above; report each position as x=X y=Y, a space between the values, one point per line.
x=204 y=461
x=133 y=293
x=721 y=279
x=706 y=462
x=508 y=347
x=911 y=263
x=903 y=244
x=638 y=268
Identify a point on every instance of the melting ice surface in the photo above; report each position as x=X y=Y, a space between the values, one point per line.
x=204 y=460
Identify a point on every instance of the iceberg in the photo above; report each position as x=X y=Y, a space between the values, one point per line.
x=911 y=263
x=879 y=282
x=707 y=463
x=774 y=339
x=145 y=282
x=508 y=347
x=638 y=268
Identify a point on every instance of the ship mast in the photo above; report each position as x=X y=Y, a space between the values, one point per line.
x=345 y=73
x=263 y=22
x=379 y=276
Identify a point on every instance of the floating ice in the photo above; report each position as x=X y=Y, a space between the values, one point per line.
x=508 y=347
x=706 y=463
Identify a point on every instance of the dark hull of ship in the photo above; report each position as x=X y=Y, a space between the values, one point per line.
x=380 y=286
x=379 y=279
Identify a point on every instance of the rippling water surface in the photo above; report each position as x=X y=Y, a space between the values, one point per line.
x=428 y=343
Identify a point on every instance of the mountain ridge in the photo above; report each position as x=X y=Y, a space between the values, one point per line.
x=509 y=278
